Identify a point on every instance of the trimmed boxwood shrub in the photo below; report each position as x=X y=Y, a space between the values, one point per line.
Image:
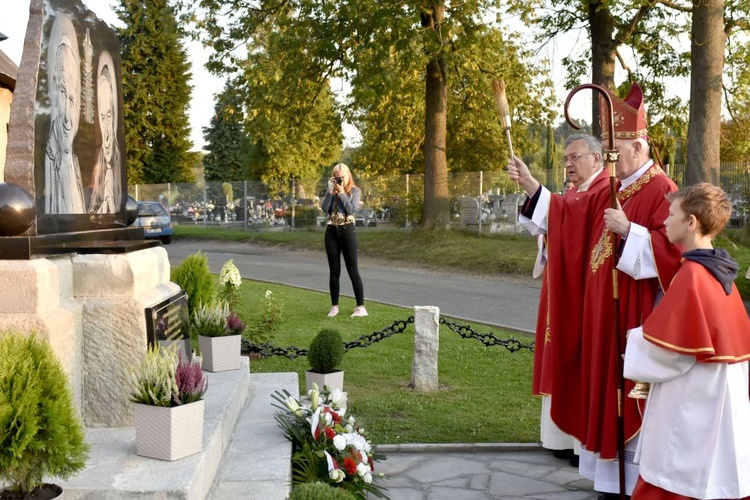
x=326 y=351
x=319 y=491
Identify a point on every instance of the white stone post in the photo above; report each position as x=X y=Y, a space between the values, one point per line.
x=424 y=368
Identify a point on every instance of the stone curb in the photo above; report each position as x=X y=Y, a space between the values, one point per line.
x=458 y=448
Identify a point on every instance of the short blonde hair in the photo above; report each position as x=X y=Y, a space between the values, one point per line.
x=708 y=203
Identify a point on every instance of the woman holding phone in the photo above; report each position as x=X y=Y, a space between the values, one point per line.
x=341 y=200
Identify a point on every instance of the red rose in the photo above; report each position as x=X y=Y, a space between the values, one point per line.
x=330 y=434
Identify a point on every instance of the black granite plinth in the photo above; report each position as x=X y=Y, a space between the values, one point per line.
x=105 y=241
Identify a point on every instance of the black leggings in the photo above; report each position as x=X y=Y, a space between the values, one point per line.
x=343 y=240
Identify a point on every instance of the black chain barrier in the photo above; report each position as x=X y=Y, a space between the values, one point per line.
x=292 y=352
x=488 y=339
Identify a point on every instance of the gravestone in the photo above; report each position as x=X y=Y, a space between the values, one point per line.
x=8 y=72
x=75 y=272
x=469 y=210
x=66 y=146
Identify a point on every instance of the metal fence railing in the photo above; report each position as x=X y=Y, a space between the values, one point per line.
x=395 y=199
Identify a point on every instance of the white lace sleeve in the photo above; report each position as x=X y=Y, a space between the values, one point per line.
x=637 y=258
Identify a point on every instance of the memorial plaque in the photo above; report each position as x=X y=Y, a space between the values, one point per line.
x=168 y=322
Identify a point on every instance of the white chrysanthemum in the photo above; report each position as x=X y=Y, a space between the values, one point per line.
x=359 y=442
x=230 y=275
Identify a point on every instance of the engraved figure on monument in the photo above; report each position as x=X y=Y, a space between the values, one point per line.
x=106 y=193
x=62 y=179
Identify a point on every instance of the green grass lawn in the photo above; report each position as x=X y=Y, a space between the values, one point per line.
x=485 y=393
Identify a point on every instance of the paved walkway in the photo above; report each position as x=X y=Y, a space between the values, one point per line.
x=428 y=472
x=481 y=472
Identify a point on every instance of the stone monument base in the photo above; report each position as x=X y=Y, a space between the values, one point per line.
x=91 y=308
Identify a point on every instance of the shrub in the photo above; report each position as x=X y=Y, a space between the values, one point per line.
x=165 y=378
x=319 y=491
x=154 y=382
x=304 y=216
x=40 y=432
x=235 y=325
x=209 y=321
x=268 y=323
x=191 y=384
x=194 y=277
x=326 y=351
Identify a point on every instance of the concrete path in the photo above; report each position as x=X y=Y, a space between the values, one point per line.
x=480 y=472
x=508 y=302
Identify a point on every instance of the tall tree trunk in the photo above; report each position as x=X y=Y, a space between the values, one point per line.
x=603 y=48
x=706 y=65
x=436 y=213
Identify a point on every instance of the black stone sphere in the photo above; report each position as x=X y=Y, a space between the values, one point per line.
x=131 y=208
x=17 y=210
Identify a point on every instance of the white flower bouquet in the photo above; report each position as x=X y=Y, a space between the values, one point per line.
x=328 y=444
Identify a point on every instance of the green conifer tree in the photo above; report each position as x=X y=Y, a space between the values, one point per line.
x=156 y=92
x=227 y=143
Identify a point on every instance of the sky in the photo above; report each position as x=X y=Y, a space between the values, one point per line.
x=15 y=15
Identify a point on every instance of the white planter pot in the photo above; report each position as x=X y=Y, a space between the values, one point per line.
x=169 y=433
x=219 y=354
x=332 y=380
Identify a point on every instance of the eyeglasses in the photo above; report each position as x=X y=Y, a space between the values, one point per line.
x=575 y=157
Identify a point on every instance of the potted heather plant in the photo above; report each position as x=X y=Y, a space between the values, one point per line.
x=324 y=355
x=40 y=432
x=219 y=335
x=168 y=389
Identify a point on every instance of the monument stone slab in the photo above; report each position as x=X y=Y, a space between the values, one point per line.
x=66 y=144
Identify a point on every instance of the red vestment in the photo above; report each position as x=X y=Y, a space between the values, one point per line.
x=644 y=203
x=719 y=327
x=570 y=220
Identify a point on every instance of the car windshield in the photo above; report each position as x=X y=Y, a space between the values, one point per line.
x=150 y=209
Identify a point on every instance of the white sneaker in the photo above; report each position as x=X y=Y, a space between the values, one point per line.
x=359 y=311
x=333 y=312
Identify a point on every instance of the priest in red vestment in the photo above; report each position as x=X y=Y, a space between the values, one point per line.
x=583 y=163
x=647 y=261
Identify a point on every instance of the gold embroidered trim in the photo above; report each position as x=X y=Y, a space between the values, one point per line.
x=547 y=336
x=601 y=251
x=637 y=185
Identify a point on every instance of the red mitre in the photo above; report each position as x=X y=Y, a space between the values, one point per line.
x=629 y=115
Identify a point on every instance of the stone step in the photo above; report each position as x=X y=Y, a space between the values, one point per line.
x=115 y=472
x=257 y=463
